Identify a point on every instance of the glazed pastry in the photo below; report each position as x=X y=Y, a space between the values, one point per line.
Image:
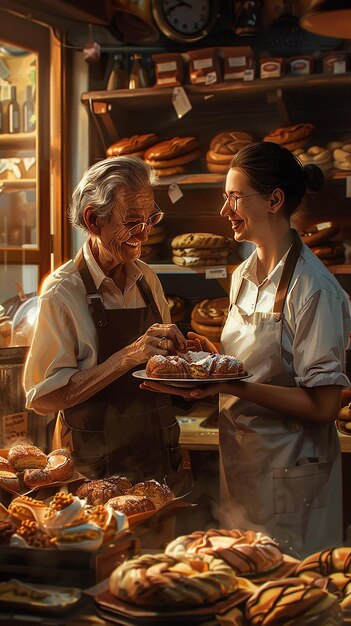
x=100 y=491
x=292 y=602
x=60 y=465
x=9 y=481
x=247 y=552
x=151 y=489
x=131 y=504
x=25 y=456
x=327 y=562
x=24 y=507
x=30 y=534
x=34 y=478
x=172 y=366
x=194 y=365
x=63 y=509
x=161 y=580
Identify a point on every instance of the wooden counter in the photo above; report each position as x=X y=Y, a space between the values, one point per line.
x=197 y=433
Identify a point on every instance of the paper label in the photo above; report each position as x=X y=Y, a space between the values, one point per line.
x=216 y=272
x=200 y=64
x=249 y=74
x=211 y=78
x=167 y=67
x=339 y=67
x=14 y=428
x=181 y=101
x=236 y=61
x=175 y=193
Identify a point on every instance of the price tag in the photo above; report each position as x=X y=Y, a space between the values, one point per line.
x=175 y=193
x=249 y=75
x=348 y=186
x=216 y=272
x=339 y=67
x=181 y=101
x=14 y=428
x=211 y=78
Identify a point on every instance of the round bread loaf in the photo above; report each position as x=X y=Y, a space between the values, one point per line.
x=9 y=481
x=201 y=240
x=100 y=491
x=293 y=602
x=212 y=312
x=154 y=491
x=228 y=142
x=25 y=456
x=177 y=308
x=136 y=145
x=247 y=552
x=171 y=149
x=160 y=580
x=131 y=504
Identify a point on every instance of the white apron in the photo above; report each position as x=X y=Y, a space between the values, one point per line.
x=278 y=475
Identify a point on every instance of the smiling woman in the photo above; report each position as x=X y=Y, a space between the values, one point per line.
x=100 y=317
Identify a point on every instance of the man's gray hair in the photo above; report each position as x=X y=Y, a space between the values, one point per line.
x=99 y=186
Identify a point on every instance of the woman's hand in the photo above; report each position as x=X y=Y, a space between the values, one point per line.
x=199 y=343
x=159 y=339
x=188 y=393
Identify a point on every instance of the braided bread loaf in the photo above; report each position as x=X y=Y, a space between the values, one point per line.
x=160 y=580
x=327 y=562
x=247 y=552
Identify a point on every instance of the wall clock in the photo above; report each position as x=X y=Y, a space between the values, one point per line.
x=186 y=21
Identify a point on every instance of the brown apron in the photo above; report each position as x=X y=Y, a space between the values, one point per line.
x=121 y=429
x=279 y=475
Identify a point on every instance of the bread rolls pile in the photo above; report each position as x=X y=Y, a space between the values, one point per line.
x=222 y=148
x=27 y=467
x=197 y=249
x=341 y=155
x=315 y=154
x=208 y=317
x=170 y=157
x=322 y=240
x=291 y=137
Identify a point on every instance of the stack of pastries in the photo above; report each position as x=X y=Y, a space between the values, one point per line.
x=208 y=317
x=197 y=249
x=172 y=156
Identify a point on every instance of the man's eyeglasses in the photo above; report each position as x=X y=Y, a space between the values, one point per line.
x=232 y=199
x=138 y=227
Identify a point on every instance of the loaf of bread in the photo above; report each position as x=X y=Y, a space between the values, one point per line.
x=135 y=145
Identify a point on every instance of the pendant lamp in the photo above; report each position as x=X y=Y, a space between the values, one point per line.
x=331 y=18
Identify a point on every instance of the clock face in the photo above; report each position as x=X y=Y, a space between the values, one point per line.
x=186 y=20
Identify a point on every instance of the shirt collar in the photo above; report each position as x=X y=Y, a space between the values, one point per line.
x=98 y=276
x=249 y=271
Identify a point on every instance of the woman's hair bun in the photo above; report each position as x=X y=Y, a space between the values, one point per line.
x=314 y=177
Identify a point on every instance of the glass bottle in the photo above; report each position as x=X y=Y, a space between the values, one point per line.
x=118 y=77
x=28 y=113
x=138 y=76
x=13 y=112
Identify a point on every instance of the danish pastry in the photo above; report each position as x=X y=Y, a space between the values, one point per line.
x=154 y=491
x=25 y=456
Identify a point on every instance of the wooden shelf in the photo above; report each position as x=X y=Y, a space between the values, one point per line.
x=20 y=141
x=225 y=89
x=22 y=184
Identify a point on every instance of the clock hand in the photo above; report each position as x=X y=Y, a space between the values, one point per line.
x=178 y=4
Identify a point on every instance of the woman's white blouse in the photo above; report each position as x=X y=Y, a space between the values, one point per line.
x=316 y=323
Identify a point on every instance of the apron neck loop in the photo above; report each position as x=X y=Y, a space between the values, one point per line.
x=93 y=297
x=288 y=270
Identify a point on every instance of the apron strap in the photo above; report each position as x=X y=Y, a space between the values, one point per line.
x=94 y=297
x=287 y=274
x=147 y=294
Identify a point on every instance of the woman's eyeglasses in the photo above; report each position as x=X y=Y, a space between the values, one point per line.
x=232 y=199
